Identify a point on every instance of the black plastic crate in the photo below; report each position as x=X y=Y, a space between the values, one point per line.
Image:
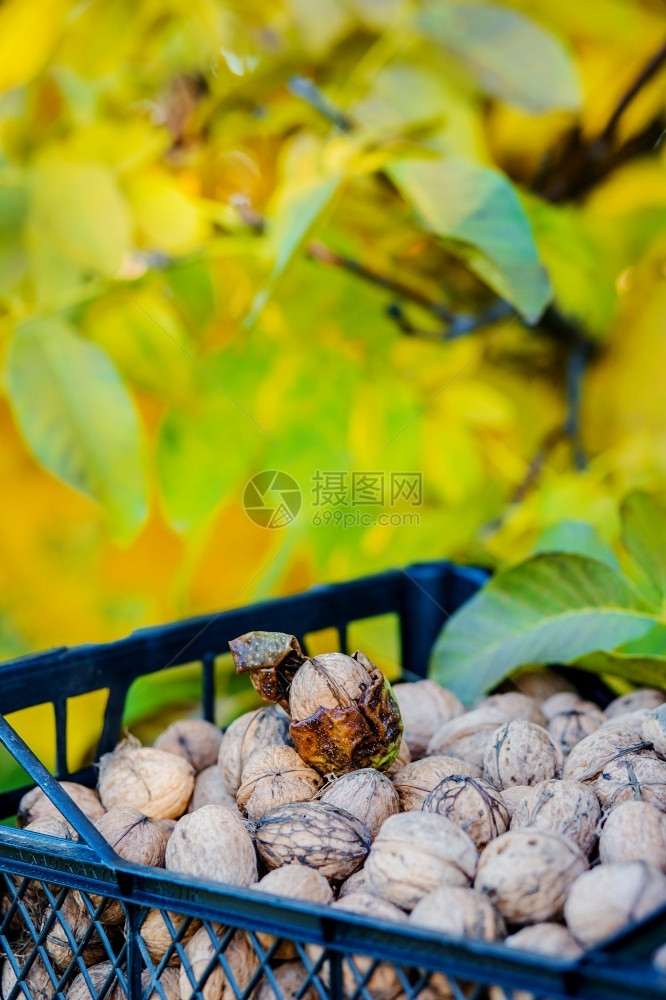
x=422 y=597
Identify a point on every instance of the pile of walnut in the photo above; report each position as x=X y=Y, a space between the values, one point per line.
x=534 y=818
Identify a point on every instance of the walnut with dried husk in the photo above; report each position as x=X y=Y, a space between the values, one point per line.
x=644 y=698
x=366 y=794
x=521 y=753
x=527 y=873
x=274 y=777
x=414 y=852
x=210 y=790
x=570 y=727
x=157 y=783
x=606 y=899
x=293 y=881
x=317 y=834
x=417 y=780
x=404 y=757
x=37 y=980
x=289 y=981
x=36 y=804
x=239 y=955
x=634 y=831
x=653 y=729
x=468 y=735
x=632 y=777
x=265 y=727
x=515 y=707
x=383 y=983
x=344 y=715
x=473 y=804
x=158 y=936
x=568 y=808
x=590 y=757
x=513 y=796
x=100 y=975
x=462 y=912
x=424 y=707
x=74 y=913
x=213 y=843
x=196 y=740
x=271 y=659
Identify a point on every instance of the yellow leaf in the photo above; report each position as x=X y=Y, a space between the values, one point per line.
x=29 y=31
x=168 y=218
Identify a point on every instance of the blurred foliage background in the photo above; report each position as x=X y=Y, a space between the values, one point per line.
x=317 y=235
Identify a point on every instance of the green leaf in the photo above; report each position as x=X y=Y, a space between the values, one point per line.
x=479 y=208
x=78 y=418
x=513 y=58
x=644 y=535
x=647 y=670
x=550 y=609
x=578 y=538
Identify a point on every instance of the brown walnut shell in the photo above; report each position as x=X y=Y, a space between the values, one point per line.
x=196 y=740
x=568 y=808
x=210 y=790
x=513 y=796
x=473 y=804
x=468 y=735
x=37 y=980
x=634 y=831
x=521 y=753
x=99 y=974
x=417 y=780
x=462 y=912
x=569 y=728
x=271 y=659
x=293 y=881
x=158 y=938
x=653 y=729
x=35 y=804
x=643 y=698
x=73 y=913
x=273 y=777
x=157 y=783
x=515 y=707
x=424 y=707
x=604 y=900
x=268 y=726
x=566 y=701
x=317 y=834
x=545 y=939
x=591 y=756
x=366 y=794
x=632 y=777
x=241 y=959
x=289 y=979
x=213 y=843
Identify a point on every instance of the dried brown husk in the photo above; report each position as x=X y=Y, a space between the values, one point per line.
x=200 y=951
x=568 y=808
x=414 y=852
x=632 y=777
x=459 y=911
x=634 y=831
x=357 y=722
x=468 y=735
x=275 y=776
x=527 y=874
x=213 y=844
x=366 y=794
x=473 y=804
x=289 y=979
x=317 y=834
x=268 y=726
x=196 y=740
x=417 y=780
x=35 y=804
x=591 y=756
x=404 y=757
x=210 y=790
x=569 y=728
x=293 y=881
x=383 y=983
x=99 y=975
x=515 y=706
x=157 y=783
x=606 y=899
x=521 y=753
x=271 y=659
x=424 y=707
x=643 y=698
x=158 y=938
x=36 y=979
x=75 y=914
x=653 y=729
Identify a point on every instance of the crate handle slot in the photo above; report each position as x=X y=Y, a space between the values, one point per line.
x=22 y=753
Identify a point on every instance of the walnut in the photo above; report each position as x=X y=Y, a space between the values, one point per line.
x=515 y=707
x=452 y=909
x=74 y=914
x=210 y=790
x=513 y=796
x=158 y=938
x=289 y=979
x=358 y=882
x=317 y=834
x=526 y=874
x=570 y=727
x=643 y=698
x=414 y=852
x=589 y=758
x=265 y=727
x=157 y=783
x=213 y=843
x=366 y=794
x=273 y=777
x=99 y=975
x=566 y=701
x=239 y=955
x=293 y=881
x=541 y=684
x=196 y=740
x=567 y=808
x=35 y=804
x=521 y=753
x=630 y=720
x=473 y=804
x=634 y=831
x=653 y=729
x=37 y=980
x=468 y=735
x=415 y=782
x=545 y=939
x=605 y=899
x=632 y=777
x=424 y=706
